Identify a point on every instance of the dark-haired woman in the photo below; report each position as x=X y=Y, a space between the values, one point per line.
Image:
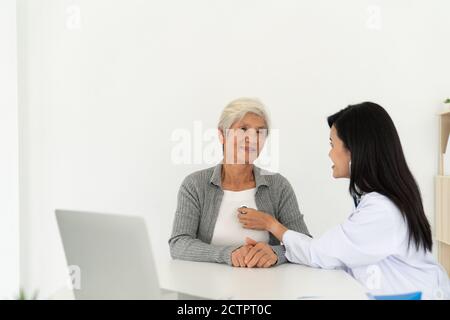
x=386 y=241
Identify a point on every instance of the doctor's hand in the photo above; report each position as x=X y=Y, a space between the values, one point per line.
x=254 y=219
x=260 y=255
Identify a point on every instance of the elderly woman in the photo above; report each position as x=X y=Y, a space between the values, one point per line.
x=206 y=226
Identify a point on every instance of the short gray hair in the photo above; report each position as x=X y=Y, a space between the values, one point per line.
x=237 y=109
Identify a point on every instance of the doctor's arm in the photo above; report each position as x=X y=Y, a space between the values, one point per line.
x=365 y=238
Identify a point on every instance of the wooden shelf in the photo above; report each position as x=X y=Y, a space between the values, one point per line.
x=443 y=195
x=444 y=132
x=443 y=209
x=444 y=112
x=444 y=256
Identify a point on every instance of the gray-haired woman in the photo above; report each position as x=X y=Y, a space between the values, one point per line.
x=206 y=225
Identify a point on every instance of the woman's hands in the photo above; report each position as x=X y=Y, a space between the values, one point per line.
x=260 y=255
x=254 y=254
x=238 y=256
x=257 y=254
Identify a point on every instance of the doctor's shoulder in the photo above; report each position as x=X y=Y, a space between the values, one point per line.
x=374 y=206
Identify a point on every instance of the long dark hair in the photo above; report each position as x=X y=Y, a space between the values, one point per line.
x=379 y=165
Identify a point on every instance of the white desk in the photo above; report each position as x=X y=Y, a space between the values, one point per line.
x=287 y=281
x=202 y=280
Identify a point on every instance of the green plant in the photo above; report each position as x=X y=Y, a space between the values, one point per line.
x=447 y=100
x=24 y=296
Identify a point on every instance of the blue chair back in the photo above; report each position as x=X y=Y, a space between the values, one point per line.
x=407 y=296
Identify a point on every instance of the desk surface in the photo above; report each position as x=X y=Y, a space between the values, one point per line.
x=287 y=281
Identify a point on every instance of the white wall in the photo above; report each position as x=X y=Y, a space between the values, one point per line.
x=102 y=93
x=9 y=173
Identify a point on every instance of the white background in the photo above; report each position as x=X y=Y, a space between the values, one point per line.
x=9 y=178
x=100 y=97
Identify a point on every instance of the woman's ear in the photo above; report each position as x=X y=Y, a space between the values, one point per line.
x=349 y=155
x=221 y=136
x=349 y=163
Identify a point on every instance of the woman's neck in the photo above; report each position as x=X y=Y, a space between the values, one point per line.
x=237 y=176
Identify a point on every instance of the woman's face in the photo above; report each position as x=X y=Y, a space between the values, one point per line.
x=245 y=139
x=340 y=156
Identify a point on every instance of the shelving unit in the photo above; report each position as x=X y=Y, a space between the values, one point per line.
x=443 y=195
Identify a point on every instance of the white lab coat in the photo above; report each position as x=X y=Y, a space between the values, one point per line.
x=372 y=246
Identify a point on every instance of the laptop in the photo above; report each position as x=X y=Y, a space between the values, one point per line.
x=109 y=256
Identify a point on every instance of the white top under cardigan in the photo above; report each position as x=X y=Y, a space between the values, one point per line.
x=372 y=246
x=228 y=230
